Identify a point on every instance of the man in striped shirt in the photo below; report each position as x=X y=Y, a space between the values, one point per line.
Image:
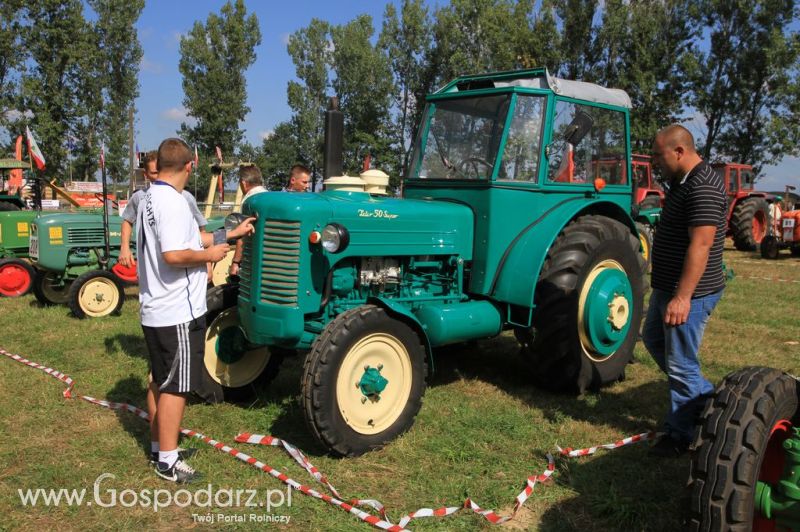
x=687 y=280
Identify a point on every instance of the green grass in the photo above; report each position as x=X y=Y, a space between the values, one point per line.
x=482 y=430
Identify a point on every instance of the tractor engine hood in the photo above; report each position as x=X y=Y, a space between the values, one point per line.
x=375 y=225
x=285 y=267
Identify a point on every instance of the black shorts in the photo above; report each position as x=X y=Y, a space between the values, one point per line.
x=176 y=355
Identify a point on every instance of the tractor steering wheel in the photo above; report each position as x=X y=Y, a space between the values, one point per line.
x=472 y=161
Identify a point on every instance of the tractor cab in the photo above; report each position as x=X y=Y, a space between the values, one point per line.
x=11 y=184
x=649 y=193
x=738 y=178
x=517 y=147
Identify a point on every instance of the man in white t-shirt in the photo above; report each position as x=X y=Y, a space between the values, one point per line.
x=172 y=255
x=132 y=208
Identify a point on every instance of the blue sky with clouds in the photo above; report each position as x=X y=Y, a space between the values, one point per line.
x=160 y=109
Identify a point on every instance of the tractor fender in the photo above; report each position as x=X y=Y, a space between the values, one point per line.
x=519 y=268
x=403 y=313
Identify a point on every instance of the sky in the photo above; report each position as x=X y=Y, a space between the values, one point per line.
x=159 y=108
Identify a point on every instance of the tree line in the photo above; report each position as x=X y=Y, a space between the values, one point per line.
x=731 y=70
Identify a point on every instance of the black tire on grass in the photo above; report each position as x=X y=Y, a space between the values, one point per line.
x=50 y=289
x=321 y=373
x=646 y=234
x=553 y=348
x=769 y=247
x=731 y=444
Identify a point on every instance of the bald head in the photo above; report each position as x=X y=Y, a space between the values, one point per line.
x=674 y=152
x=677 y=135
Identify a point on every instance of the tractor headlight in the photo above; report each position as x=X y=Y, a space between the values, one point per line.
x=335 y=238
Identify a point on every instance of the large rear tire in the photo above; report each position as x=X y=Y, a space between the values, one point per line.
x=8 y=206
x=16 y=277
x=749 y=223
x=589 y=300
x=363 y=381
x=50 y=288
x=232 y=364
x=738 y=443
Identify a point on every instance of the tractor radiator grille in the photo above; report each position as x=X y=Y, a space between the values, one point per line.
x=280 y=263
x=85 y=235
x=246 y=273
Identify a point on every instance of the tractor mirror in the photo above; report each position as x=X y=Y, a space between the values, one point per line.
x=578 y=128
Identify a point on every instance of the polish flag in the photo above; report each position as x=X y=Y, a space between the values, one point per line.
x=33 y=149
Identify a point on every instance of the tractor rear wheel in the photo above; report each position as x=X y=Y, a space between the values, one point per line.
x=239 y=368
x=8 y=206
x=646 y=241
x=769 y=247
x=739 y=443
x=795 y=249
x=16 y=277
x=50 y=288
x=589 y=300
x=95 y=294
x=363 y=381
x=749 y=223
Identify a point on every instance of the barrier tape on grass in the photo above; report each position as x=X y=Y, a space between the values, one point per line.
x=382 y=522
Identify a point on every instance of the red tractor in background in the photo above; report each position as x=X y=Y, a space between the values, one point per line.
x=748 y=210
x=649 y=194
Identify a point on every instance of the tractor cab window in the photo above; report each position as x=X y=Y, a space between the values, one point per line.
x=524 y=140
x=463 y=138
x=641 y=175
x=598 y=152
x=733 y=180
x=747 y=179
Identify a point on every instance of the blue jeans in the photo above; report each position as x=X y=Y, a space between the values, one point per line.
x=674 y=348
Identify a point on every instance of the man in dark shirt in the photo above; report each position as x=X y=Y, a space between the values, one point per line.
x=687 y=280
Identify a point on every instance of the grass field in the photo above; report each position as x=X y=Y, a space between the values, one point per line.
x=482 y=430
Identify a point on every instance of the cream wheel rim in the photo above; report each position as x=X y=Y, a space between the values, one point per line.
x=619 y=311
x=219 y=272
x=98 y=297
x=250 y=362
x=645 y=246
x=374 y=414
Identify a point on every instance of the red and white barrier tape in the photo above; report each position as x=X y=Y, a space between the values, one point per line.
x=382 y=522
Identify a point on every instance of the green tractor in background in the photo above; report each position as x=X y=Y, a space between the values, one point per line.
x=68 y=251
x=501 y=227
x=16 y=273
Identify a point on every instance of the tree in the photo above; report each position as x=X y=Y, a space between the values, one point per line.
x=745 y=84
x=277 y=155
x=121 y=55
x=214 y=58
x=406 y=41
x=363 y=84
x=310 y=50
x=55 y=37
x=577 y=22
x=12 y=59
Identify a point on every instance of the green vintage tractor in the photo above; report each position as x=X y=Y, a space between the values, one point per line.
x=68 y=250
x=502 y=227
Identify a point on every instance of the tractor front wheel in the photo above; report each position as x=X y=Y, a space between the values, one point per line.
x=95 y=294
x=589 y=304
x=16 y=277
x=50 y=288
x=646 y=242
x=749 y=223
x=363 y=381
x=234 y=364
x=738 y=444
